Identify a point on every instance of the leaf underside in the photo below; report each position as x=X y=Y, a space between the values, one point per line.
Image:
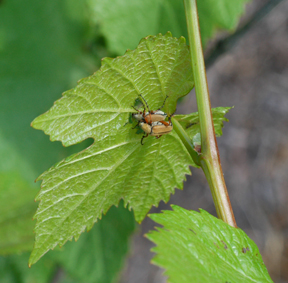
x=209 y=249
x=78 y=190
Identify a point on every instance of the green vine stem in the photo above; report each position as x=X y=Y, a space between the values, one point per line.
x=209 y=157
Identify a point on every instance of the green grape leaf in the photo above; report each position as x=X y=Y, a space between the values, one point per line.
x=124 y=22
x=197 y=247
x=76 y=191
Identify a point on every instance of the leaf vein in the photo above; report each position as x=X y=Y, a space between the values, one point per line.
x=89 y=192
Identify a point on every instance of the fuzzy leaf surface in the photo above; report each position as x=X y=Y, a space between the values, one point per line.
x=159 y=67
x=205 y=249
x=76 y=191
x=124 y=22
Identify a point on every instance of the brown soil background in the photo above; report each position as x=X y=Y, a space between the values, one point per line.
x=253 y=77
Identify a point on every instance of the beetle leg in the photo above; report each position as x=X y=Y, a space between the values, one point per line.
x=169 y=118
x=129 y=120
x=190 y=125
x=164 y=123
x=136 y=109
x=144 y=136
x=136 y=125
x=158 y=137
x=148 y=119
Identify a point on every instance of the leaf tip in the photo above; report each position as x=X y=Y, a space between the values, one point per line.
x=106 y=60
x=31 y=260
x=168 y=34
x=145 y=38
x=33 y=124
x=176 y=207
x=182 y=39
x=39 y=178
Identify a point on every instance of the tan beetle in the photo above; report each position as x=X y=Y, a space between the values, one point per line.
x=156 y=129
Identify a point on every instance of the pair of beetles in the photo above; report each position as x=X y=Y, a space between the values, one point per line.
x=153 y=122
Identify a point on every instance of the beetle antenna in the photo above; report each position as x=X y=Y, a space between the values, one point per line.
x=135 y=109
x=145 y=102
x=136 y=125
x=169 y=118
x=163 y=102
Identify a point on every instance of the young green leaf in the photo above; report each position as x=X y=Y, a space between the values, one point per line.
x=191 y=122
x=197 y=247
x=79 y=189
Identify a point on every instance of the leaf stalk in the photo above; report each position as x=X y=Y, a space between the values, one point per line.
x=209 y=158
x=186 y=141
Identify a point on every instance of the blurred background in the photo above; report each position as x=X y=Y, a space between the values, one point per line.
x=46 y=47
